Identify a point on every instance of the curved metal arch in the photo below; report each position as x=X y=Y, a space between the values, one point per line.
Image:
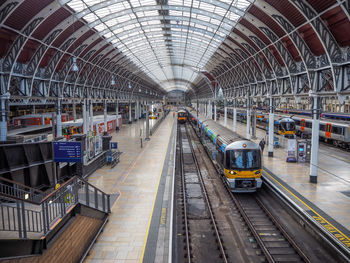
x=332 y=49
x=260 y=64
x=21 y=40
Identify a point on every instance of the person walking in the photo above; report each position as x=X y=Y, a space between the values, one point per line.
x=262 y=144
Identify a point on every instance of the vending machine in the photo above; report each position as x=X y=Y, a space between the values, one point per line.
x=304 y=151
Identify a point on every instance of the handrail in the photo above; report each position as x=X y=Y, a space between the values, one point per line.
x=23 y=185
x=24 y=216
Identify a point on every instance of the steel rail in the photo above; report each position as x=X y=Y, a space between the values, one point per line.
x=284 y=232
x=188 y=249
x=206 y=198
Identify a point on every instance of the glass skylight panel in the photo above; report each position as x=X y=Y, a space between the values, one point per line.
x=192 y=34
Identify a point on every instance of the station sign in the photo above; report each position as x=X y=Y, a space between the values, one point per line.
x=67 y=152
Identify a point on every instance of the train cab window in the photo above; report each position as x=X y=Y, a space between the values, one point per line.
x=243 y=159
x=288 y=126
x=182 y=114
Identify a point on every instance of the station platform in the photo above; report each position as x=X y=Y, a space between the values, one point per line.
x=328 y=201
x=139 y=223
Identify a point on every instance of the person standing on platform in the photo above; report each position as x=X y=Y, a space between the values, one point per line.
x=174 y=114
x=262 y=144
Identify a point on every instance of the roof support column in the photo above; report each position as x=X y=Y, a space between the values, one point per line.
x=136 y=109
x=105 y=117
x=225 y=112
x=74 y=111
x=271 y=127
x=91 y=118
x=234 y=115
x=248 y=118
x=117 y=113
x=85 y=120
x=3 y=123
x=215 y=110
x=59 y=118
x=315 y=137
x=147 y=122
x=130 y=117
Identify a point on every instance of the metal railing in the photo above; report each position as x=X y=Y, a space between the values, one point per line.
x=20 y=217
x=11 y=188
x=155 y=126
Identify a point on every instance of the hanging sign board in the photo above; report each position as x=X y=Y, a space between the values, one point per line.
x=67 y=152
x=114 y=145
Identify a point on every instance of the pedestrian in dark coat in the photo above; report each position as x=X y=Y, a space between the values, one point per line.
x=262 y=144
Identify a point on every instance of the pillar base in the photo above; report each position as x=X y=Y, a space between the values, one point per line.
x=313 y=179
x=117 y=128
x=270 y=154
x=147 y=139
x=105 y=133
x=130 y=122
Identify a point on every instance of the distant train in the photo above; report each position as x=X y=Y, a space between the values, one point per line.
x=70 y=128
x=336 y=132
x=325 y=115
x=37 y=119
x=181 y=116
x=239 y=160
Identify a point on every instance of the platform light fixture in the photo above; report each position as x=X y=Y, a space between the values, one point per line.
x=75 y=67
x=112 y=80
x=129 y=86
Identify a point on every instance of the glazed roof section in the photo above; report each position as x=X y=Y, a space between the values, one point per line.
x=171 y=41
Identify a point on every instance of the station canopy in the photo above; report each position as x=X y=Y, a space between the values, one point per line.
x=171 y=41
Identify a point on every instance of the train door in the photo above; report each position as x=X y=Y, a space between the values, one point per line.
x=302 y=124
x=328 y=130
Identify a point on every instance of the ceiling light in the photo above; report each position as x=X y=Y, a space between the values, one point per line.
x=75 y=67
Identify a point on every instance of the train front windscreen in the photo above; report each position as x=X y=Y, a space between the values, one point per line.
x=288 y=126
x=243 y=159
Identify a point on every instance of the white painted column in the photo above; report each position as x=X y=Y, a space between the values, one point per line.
x=215 y=111
x=42 y=120
x=234 y=115
x=130 y=117
x=248 y=119
x=59 y=118
x=271 y=128
x=91 y=117
x=136 y=108
x=74 y=112
x=147 y=123
x=105 y=117
x=225 y=113
x=85 y=119
x=315 y=139
x=3 y=121
x=117 y=114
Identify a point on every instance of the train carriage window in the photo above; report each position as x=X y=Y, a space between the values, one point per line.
x=322 y=127
x=308 y=124
x=297 y=122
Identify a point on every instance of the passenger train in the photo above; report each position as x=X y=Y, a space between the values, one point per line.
x=239 y=160
x=336 y=132
x=181 y=116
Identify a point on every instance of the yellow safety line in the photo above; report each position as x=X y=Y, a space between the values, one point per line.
x=308 y=206
x=154 y=201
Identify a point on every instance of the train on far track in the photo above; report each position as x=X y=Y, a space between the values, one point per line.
x=239 y=160
x=181 y=116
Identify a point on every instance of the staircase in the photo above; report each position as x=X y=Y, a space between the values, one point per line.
x=61 y=227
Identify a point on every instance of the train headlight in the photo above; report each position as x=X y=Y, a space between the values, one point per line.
x=257 y=172
x=232 y=172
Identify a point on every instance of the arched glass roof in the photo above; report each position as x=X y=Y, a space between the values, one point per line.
x=170 y=40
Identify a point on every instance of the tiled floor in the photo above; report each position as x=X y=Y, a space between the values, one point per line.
x=136 y=178
x=333 y=176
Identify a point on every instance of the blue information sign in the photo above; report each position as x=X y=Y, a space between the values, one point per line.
x=114 y=145
x=67 y=152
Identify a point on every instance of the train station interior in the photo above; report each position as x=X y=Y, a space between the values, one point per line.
x=174 y=131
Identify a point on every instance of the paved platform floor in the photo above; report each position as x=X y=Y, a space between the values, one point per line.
x=328 y=199
x=136 y=178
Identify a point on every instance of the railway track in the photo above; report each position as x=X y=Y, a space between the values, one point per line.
x=273 y=240
x=201 y=235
